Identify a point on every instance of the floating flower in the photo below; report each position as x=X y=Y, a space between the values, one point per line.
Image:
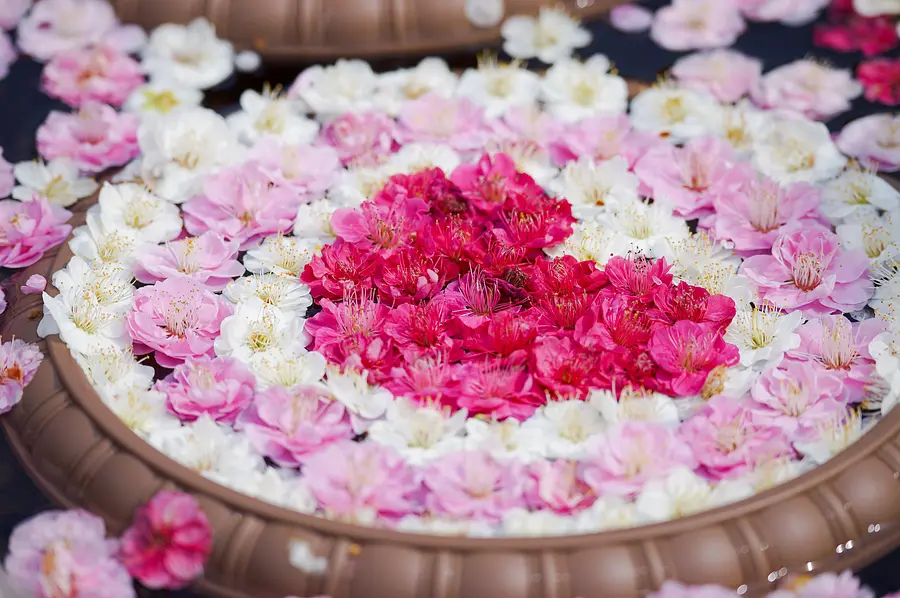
x=809 y=88
x=156 y=98
x=727 y=75
x=673 y=113
x=334 y=90
x=791 y=150
x=308 y=170
x=686 y=353
x=57 y=26
x=576 y=90
x=549 y=37
x=207 y=258
x=97 y=74
x=880 y=79
x=497 y=87
x=763 y=335
x=630 y=18
x=456 y=122
x=12 y=12
x=269 y=114
x=131 y=208
x=29 y=229
x=874 y=140
x=857 y=192
x=95 y=138
x=190 y=55
x=603 y=138
x=363 y=138
x=684 y=493
x=57 y=181
x=35 y=285
x=19 y=362
x=472 y=485
x=697 y=24
x=788 y=12
x=219 y=387
x=849 y=31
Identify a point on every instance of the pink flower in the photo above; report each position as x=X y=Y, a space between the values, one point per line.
x=833 y=585
x=66 y=553
x=35 y=285
x=242 y=204
x=488 y=182
x=807 y=87
x=728 y=442
x=361 y=481
x=499 y=390
x=8 y=54
x=686 y=353
x=614 y=321
x=340 y=268
x=554 y=485
x=96 y=74
x=307 y=169
x=361 y=139
x=564 y=368
x=760 y=210
x=219 y=387
x=873 y=140
x=28 y=229
x=690 y=177
x=95 y=138
x=632 y=453
x=411 y=275
x=850 y=32
x=288 y=425
x=7 y=177
x=675 y=589
x=472 y=485
x=728 y=75
x=177 y=318
x=424 y=330
x=881 y=80
x=208 y=259
x=18 y=363
x=697 y=24
x=630 y=18
x=528 y=123
x=602 y=137
x=168 y=542
x=809 y=270
x=427 y=380
x=432 y=118
x=789 y=12
x=12 y=11
x=682 y=301
x=381 y=225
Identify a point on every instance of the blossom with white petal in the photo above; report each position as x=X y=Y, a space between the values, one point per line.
x=567 y=426
x=550 y=37
x=770 y=474
x=722 y=278
x=82 y=323
x=634 y=405
x=593 y=188
x=674 y=113
x=356 y=185
x=832 y=437
x=114 y=370
x=607 y=513
x=190 y=55
x=271 y=485
x=589 y=241
x=209 y=448
x=432 y=75
x=738 y=124
x=642 y=226
x=691 y=256
x=132 y=207
x=441 y=526
x=857 y=190
x=313 y=222
x=364 y=402
x=874 y=8
x=484 y=13
x=284 y=293
x=345 y=86
x=58 y=180
x=498 y=87
x=141 y=408
x=684 y=493
x=162 y=97
x=99 y=243
x=281 y=255
x=522 y=523
x=575 y=90
x=792 y=149
x=885 y=350
x=256 y=329
x=109 y=284
x=506 y=440
x=288 y=367
x=416 y=157
x=763 y=335
x=872 y=233
x=269 y=113
x=419 y=433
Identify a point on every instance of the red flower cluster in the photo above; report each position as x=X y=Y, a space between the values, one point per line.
x=848 y=31
x=440 y=289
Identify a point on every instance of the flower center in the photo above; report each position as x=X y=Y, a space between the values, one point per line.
x=763 y=205
x=272 y=119
x=807 y=271
x=57 y=188
x=160 y=101
x=838 y=346
x=673 y=110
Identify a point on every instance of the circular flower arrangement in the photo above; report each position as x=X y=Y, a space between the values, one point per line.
x=487 y=304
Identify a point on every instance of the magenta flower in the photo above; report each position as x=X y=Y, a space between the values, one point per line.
x=563 y=367
x=361 y=139
x=808 y=88
x=686 y=353
x=207 y=259
x=168 y=542
x=554 y=486
x=427 y=380
x=432 y=118
x=340 y=269
x=28 y=229
x=307 y=169
x=472 y=485
x=499 y=390
x=612 y=322
x=602 y=137
x=96 y=74
x=809 y=270
x=18 y=363
x=411 y=275
x=487 y=183
x=697 y=25
x=175 y=319
x=424 y=330
x=95 y=138
x=220 y=387
x=351 y=334
x=383 y=225
x=637 y=276
x=727 y=75
x=242 y=204
x=695 y=304
x=288 y=425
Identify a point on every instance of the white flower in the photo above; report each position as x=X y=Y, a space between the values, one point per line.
x=345 y=86
x=57 y=180
x=722 y=278
x=575 y=90
x=523 y=523
x=356 y=185
x=416 y=157
x=593 y=188
x=677 y=114
x=738 y=125
x=209 y=448
x=484 y=13
x=506 y=440
x=302 y=558
x=885 y=350
x=190 y=55
x=98 y=243
x=566 y=426
x=886 y=275
x=281 y=292
x=131 y=207
x=141 y=408
x=288 y=368
x=691 y=256
x=550 y=37
x=365 y=403
x=419 y=433
x=791 y=149
x=684 y=493
x=873 y=8
x=634 y=405
x=873 y=234
x=269 y=113
x=114 y=370
x=832 y=437
x=607 y=513
x=763 y=335
x=773 y=473
x=255 y=329
x=272 y=485
x=440 y=526
x=108 y=284
x=162 y=97
x=432 y=75
x=281 y=255
x=857 y=190
x=82 y=323
x=642 y=226
x=589 y=241
x=498 y=87
x=313 y=222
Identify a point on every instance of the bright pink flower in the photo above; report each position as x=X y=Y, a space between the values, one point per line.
x=176 y=318
x=687 y=352
x=630 y=18
x=427 y=380
x=487 y=183
x=66 y=553
x=690 y=177
x=872 y=36
x=18 y=363
x=631 y=454
x=564 y=368
x=755 y=214
x=499 y=390
x=340 y=268
x=430 y=185
x=472 y=485
x=874 y=140
x=789 y=12
x=675 y=589
x=833 y=585
x=613 y=322
x=351 y=334
x=8 y=54
x=208 y=259
x=881 y=80
x=96 y=74
x=219 y=387
x=432 y=118
x=12 y=11
x=424 y=330
x=307 y=169
x=241 y=204
x=362 y=480
x=95 y=138
x=806 y=87
x=727 y=441
x=361 y=139
x=287 y=425
x=728 y=75
x=56 y=26
x=383 y=226
x=28 y=229
x=35 y=285
x=507 y=334
x=534 y=220
x=410 y=275
x=7 y=177
x=554 y=486
x=637 y=276
x=697 y=24
x=602 y=137
x=809 y=270
x=168 y=542
x=682 y=301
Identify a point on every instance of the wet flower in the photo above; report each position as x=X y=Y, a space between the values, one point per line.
x=697 y=24
x=727 y=75
x=874 y=140
x=28 y=229
x=880 y=79
x=219 y=387
x=19 y=362
x=472 y=485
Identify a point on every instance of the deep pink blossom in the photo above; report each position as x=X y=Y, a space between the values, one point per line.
x=424 y=330
x=847 y=31
x=95 y=74
x=534 y=220
x=94 y=138
x=207 y=258
x=341 y=268
x=384 y=225
x=499 y=390
x=28 y=229
x=564 y=368
x=428 y=380
x=636 y=275
x=880 y=78
x=686 y=353
x=432 y=118
x=18 y=363
x=616 y=321
x=411 y=275
x=808 y=88
x=220 y=387
x=554 y=486
x=472 y=485
x=351 y=333
x=506 y=334
x=488 y=182
x=727 y=75
x=361 y=139
x=695 y=304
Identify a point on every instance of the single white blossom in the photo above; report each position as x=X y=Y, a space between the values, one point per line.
x=82 y=323
x=256 y=329
x=211 y=449
x=506 y=440
x=58 y=181
x=288 y=367
x=498 y=87
x=634 y=405
x=431 y=76
x=550 y=37
x=271 y=114
x=131 y=207
x=575 y=90
x=284 y=293
x=684 y=493
x=763 y=335
x=313 y=222
x=189 y=55
x=674 y=113
x=419 y=433
x=416 y=157
x=364 y=402
x=792 y=149
x=161 y=97
x=345 y=86
x=566 y=426
x=593 y=188
x=281 y=255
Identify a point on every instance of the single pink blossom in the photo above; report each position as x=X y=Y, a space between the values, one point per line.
x=554 y=486
x=28 y=229
x=382 y=225
x=874 y=140
x=809 y=270
x=526 y=124
x=289 y=425
x=168 y=542
x=473 y=485
x=95 y=74
x=789 y=12
x=95 y=138
x=307 y=169
x=219 y=387
x=428 y=380
x=7 y=177
x=35 y=285
x=8 y=54
x=686 y=353
x=56 y=26
x=728 y=75
x=361 y=139
x=631 y=18
x=697 y=25
x=602 y=137
x=18 y=363
x=12 y=11
x=499 y=389
x=809 y=88
x=432 y=118
x=176 y=318
x=676 y=589
x=207 y=258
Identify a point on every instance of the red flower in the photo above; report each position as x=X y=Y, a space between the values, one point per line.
x=532 y=219
x=686 y=353
x=567 y=370
x=637 y=275
x=409 y=275
x=873 y=36
x=424 y=331
x=507 y=334
x=686 y=302
x=168 y=542
x=500 y=390
x=432 y=186
x=615 y=322
x=341 y=268
x=881 y=80
x=428 y=380
x=487 y=183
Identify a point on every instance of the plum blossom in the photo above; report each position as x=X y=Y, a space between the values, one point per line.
x=364 y=402
x=727 y=75
x=684 y=493
x=593 y=187
x=281 y=292
x=94 y=138
x=686 y=353
x=219 y=387
x=763 y=335
x=97 y=74
x=790 y=149
x=878 y=236
x=419 y=433
x=566 y=427
x=360 y=138
x=214 y=450
x=271 y=114
x=697 y=24
x=207 y=258
x=343 y=87
x=809 y=88
x=431 y=75
x=307 y=169
x=57 y=181
x=601 y=137
x=472 y=485
x=190 y=55
x=28 y=229
x=456 y=122
x=789 y=12
x=835 y=434
x=855 y=192
x=18 y=363
x=674 y=113
x=496 y=87
x=631 y=18
x=12 y=12
x=35 y=285
x=155 y=98
x=874 y=140
x=131 y=208
x=550 y=37
x=505 y=440
x=256 y=330
x=575 y=90
x=634 y=405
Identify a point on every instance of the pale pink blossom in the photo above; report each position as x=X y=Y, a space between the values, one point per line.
x=602 y=137
x=28 y=229
x=809 y=88
x=456 y=122
x=12 y=11
x=7 y=176
x=874 y=140
x=307 y=169
x=789 y=12
x=676 y=589
x=18 y=363
x=176 y=318
x=219 y=387
x=728 y=75
x=207 y=258
x=35 y=285
x=361 y=139
x=528 y=123
x=631 y=18
x=697 y=25
x=473 y=485
x=554 y=485
x=96 y=74
x=833 y=585
x=94 y=138
x=8 y=54
x=2 y=301
x=809 y=270
x=288 y=425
